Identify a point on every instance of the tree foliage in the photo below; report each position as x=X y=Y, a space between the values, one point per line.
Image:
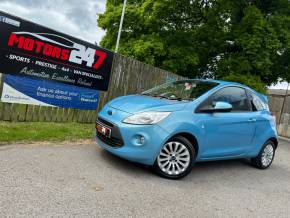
x=243 y=40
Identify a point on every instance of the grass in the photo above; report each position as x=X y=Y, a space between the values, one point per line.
x=44 y=131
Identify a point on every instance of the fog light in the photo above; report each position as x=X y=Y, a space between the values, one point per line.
x=138 y=140
x=142 y=140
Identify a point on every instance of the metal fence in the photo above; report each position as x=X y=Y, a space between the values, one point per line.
x=128 y=76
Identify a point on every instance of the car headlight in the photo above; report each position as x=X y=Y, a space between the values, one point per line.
x=151 y=117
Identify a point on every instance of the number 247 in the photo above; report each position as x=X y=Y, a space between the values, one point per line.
x=81 y=54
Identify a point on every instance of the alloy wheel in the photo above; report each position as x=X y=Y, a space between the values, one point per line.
x=267 y=155
x=174 y=158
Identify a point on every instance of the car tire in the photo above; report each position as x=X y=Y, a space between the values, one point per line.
x=175 y=159
x=265 y=157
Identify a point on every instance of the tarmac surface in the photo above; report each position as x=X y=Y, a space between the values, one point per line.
x=86 y=181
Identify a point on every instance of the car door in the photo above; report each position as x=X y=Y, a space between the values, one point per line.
x=228 y=134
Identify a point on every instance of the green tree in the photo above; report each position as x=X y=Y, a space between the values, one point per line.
x=247 y=41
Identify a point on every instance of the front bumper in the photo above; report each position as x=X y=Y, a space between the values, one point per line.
x=132 y=149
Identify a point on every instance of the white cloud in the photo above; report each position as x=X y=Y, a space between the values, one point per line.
x=74 y=17
x=280 y=85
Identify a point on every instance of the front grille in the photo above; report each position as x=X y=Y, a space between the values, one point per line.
x=115 y=140
x=105 y=122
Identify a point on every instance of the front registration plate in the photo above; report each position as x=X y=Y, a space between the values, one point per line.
x=104 y=130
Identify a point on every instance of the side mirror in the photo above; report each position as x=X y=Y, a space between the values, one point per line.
x=219 y=106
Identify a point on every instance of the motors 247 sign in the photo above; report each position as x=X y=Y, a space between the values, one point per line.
x=28 y=49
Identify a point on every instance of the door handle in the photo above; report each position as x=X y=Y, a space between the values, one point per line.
x=252 y=120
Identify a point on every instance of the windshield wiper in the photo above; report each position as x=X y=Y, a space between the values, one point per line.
x=181 y=99
x=162 y=96
x=166 y=97
x=169 y=98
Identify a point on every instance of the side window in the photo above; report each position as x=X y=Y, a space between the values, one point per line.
x=236 y=96
x=256 y=103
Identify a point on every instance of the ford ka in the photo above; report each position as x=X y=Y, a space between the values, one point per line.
x=172 y=126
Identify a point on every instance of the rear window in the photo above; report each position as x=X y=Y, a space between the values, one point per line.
x=256 y=103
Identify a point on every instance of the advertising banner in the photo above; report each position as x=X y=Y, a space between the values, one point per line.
x=40 y=92
x=31 y=50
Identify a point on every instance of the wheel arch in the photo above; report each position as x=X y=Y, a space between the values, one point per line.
x=190 y=137
x=274 y=140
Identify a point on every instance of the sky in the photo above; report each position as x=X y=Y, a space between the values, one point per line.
x=77 y=18
x=281 y=85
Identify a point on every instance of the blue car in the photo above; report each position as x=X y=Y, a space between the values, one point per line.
x=174 y=125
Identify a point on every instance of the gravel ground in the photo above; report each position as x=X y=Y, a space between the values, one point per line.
x=85 y=181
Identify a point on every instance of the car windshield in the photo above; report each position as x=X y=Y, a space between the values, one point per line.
x=181 y=90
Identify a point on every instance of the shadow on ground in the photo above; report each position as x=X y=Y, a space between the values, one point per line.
x=128 y=167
